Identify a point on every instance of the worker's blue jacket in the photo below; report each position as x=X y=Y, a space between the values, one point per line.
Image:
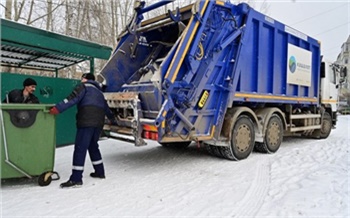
x=91 y=104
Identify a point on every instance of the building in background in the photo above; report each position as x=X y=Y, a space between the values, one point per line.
x=344 y=59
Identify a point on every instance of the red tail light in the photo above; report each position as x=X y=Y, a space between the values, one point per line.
x=146 y=134
x=150 y=132
x=150 y=135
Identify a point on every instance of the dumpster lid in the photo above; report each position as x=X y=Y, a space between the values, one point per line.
x=25 y=106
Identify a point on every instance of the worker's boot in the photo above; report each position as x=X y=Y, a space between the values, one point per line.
x=71 y=184
x=95 y=175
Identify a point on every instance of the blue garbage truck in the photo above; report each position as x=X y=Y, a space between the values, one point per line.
x=222 y=75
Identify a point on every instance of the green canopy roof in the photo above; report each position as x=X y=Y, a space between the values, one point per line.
x=29 y=47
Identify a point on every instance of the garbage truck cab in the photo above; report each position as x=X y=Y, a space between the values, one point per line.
x=332 y=75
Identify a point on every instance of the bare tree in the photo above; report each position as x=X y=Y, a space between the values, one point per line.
x=69 y=16
x=102 y=20
x=88 y=23
x=125 y=10
x=8 y=10
x=114 y=24
x=18 y=10
x=82 y=25
x=49 y=15
x=30 y=12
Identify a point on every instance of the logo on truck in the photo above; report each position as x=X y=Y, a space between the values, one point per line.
x=299 y=66
x=292 y=64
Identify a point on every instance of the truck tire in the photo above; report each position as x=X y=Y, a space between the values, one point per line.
x=176 y=145
x=214 y=150
x=273 y=136
x=326 y=126
x=242 y=140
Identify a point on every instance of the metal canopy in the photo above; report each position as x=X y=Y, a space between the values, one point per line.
x=28 y=47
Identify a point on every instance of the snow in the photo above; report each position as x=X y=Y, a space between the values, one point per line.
x=305 y=178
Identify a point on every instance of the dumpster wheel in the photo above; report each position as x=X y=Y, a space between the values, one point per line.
x=46 y=178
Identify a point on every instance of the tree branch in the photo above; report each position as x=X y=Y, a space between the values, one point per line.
x=38 y=18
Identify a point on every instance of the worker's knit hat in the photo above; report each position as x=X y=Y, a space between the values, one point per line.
x=88 y=76
x=29 y=82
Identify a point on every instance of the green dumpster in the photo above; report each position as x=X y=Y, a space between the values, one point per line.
x=28 y=142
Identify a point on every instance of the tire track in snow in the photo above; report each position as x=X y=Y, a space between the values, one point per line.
x=254 y=198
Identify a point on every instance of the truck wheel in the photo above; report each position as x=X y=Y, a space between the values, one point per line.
x=210 y=150
x=227 y=153
x=214 y=150
x=176 y=145
x=273 y=136
x=242 y=140
x=326 y=126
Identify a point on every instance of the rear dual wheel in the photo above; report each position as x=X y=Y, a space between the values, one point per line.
x=242 y=140
x=214 y=150
x=273 y=136
x=326 y=127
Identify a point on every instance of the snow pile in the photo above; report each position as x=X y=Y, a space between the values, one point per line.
x=305 y=178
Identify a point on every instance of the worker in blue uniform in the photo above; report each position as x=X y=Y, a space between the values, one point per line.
x=90 y=118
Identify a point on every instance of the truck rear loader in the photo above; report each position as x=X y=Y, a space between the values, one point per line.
x=223 y=75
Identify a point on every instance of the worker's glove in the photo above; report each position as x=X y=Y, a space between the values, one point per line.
x=54 y=111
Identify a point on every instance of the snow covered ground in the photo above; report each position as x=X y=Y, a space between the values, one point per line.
x=305 y=178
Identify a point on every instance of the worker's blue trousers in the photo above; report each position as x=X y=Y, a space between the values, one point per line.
x=86 y=140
